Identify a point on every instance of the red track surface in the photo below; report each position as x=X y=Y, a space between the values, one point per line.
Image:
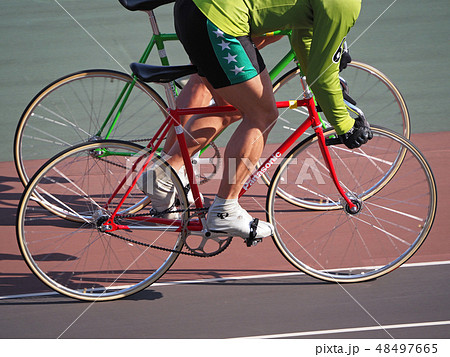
x=16 y=278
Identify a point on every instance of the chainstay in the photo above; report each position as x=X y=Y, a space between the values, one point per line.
x=153 y=246
x=129 y=240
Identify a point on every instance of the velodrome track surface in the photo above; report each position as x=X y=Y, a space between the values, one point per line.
x=244 y=291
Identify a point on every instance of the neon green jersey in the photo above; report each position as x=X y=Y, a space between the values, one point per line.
x=318 y=29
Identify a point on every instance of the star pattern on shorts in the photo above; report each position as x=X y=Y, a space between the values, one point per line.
x=224 y=45
x=237 y=70
x=230 y=58
x=219 y=33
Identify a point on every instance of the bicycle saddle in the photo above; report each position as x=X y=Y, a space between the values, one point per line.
x=161 y=74
x=143 y=5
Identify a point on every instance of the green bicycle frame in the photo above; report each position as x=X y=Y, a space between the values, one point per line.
x=158 y=40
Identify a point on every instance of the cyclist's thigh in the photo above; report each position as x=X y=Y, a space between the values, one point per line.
x=334 y=15
x=223 y=59
x=254 y=99
x=232 y=65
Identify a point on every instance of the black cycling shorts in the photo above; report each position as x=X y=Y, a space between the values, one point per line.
x=223 y=59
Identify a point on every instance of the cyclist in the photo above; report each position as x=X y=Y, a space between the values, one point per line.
x=196 y=94
x=216 y=35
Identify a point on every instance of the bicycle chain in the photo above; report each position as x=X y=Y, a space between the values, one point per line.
x=139 y=140
x=208 y=255
x=153 y=246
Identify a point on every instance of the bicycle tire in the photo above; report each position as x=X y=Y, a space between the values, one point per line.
x=79 y=259
x=71 y=110
x=338 y=246
x=365 y=84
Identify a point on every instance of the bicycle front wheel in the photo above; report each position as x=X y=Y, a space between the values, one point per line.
x=75 y=256
x=83 y=107
x=396 y=208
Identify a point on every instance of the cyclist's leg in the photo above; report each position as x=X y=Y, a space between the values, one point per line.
x=197 y=94
x=203 y=128
x=240 y=79
x=318 y=49
x=234 y=67
x=255 y=101
x=194 y=94
x=257 y=105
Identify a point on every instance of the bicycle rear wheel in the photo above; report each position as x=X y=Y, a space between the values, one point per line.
x=81 y=107
x=75 y=256
x=379 y=99
x=396 y=208
x=374 y=93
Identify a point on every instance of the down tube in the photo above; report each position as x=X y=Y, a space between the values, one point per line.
x=276 y=155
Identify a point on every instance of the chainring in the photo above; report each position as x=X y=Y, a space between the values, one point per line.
x=207 y=246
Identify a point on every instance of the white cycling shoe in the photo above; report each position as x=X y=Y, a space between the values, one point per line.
x=229 y=218
x=158 y=186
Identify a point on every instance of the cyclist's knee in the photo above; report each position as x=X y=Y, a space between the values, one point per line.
x=264 y=118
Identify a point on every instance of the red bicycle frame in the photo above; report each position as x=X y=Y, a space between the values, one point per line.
x=172 y=120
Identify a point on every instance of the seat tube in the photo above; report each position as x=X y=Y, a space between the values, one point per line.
x=307 y=94
x=179 y=131
x=170 y=91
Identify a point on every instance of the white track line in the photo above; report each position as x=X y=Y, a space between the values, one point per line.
x=353 y=329
x=212 y=280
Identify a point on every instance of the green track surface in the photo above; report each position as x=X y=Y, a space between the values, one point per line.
x=42 y=40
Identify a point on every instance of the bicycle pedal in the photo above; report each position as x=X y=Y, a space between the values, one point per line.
x=252 y=242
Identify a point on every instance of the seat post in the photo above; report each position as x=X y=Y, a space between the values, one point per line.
x=170 y=94
x=307 y=94
x=153 y=23
x=168 y=87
